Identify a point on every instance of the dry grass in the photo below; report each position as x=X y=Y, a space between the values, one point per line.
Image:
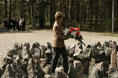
x=109 y=34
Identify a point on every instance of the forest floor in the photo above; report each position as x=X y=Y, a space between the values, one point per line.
x=7 y=39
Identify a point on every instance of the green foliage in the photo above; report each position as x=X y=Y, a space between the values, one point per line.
x=107 y=25
x=93 y=15
x=110 y=34
x=74 y=23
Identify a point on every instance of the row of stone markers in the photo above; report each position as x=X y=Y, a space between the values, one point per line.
x=95 y=61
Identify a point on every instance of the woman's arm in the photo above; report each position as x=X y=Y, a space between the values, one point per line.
x=58 y=34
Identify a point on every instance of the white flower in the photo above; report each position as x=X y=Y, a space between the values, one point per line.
x=66 y=31
x=73 y=34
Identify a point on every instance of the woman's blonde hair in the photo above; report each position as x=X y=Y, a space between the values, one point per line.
x=58 y=15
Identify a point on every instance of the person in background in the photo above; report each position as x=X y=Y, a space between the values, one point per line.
x=24 y=25
x=21 y=24
x=14 y=24
x=11 y=23
x=58 y=43
x=6 y=25
x=17 y=24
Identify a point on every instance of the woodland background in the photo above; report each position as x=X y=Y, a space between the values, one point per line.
x=90 y=15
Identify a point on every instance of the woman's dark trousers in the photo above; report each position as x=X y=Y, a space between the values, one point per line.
x=57 y=52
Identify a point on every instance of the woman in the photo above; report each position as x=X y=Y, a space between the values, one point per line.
x=58 y=42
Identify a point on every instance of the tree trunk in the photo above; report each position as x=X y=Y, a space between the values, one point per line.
x=22 y=8
x=29 y=11
x=51 y=14
x=6 y=3
x=33 y=17
x=96 y=13
x=81 y=15
x=10 y=9
x=42 y=14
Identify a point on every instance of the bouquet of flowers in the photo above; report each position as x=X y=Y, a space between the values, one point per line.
x=74 y=33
